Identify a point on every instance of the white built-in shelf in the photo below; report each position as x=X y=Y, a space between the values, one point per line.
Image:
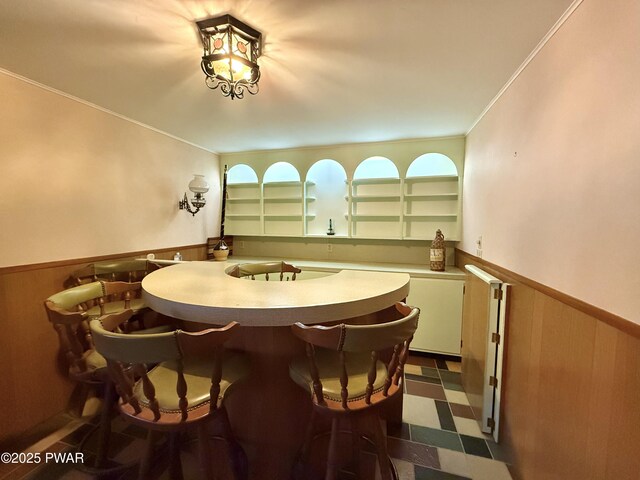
x=283 y=199
x=243 y=200
x=289 y=183
x=280 y=208
x=280 y=216
x=373 y=181
x=427 y=215
x=431 y=178
x=373 y=198
x=241 y=216
x=284 y=235
x=317 y=235
x=431 y=196
x=378 y=237
x=371 y=216
x=242 y=185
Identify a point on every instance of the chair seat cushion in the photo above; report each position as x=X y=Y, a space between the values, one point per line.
x=136 y=305
x=329 y=370
x=197 y=374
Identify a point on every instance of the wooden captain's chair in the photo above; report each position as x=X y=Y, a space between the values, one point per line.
x=186 y=389
x=132 y=271
x=115 y=271
x=251 y=270
x=348 y=382
x=69 y=312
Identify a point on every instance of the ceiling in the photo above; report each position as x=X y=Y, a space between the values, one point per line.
x=333 y=71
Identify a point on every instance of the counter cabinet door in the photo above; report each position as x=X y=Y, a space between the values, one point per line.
x=440 y=325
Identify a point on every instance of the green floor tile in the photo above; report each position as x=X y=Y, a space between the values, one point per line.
x=436 y=437
x=430 y=372
x=452 y=386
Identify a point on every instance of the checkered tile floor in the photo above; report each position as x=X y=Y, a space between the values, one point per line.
x=439 y=438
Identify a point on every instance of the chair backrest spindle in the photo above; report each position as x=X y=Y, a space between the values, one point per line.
x=172 y=348
x=120 y=270
x=216 y=377
x=315 y=376
x=250 y=270
x=124 y=384
x=344 y=381
x=391 y=370
x=403 y=360
x=181 y=390
x=346 y=340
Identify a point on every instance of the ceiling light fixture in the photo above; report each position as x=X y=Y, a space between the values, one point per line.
x=230 y=59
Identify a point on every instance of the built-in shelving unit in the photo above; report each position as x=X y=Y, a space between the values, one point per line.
x=374 y=198
x=374 y=180
x=243 y=200
x=282 y=200
x=431 y=198
x=379 y=201
x=327 y=184
x=376 y=192
x=242 y=215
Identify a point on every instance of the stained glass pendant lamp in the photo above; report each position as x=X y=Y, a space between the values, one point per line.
x=230 y=58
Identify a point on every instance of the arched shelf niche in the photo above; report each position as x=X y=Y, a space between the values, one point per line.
x=281 y=172
x=282 y=199
x=326 y=198
x=376 y=168
x=432 y=164
x=242 y=213
x=375 y=205
x=241 y=173
x=431 y=198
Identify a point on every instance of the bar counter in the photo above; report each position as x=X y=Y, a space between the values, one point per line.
x=268 y=412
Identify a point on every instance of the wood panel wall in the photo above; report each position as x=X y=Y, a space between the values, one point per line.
x=571 y=385
x=33 y=380
x=475 y=321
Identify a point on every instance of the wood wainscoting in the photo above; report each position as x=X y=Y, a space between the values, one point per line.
x=33 y=378
x=571 y=385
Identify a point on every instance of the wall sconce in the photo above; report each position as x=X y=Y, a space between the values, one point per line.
x=230 y=58
x=199 y=187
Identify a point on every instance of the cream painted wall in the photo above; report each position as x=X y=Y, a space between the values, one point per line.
x=77 y=181
x=565 y=209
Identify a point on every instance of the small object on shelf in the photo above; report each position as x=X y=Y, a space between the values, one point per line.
x=177 y=257
x=331 y=231
x=437 y=253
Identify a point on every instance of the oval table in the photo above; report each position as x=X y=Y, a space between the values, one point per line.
x=269 y=412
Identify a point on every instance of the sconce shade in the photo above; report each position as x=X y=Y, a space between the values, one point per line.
x=198 y=184
x=231 y=51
